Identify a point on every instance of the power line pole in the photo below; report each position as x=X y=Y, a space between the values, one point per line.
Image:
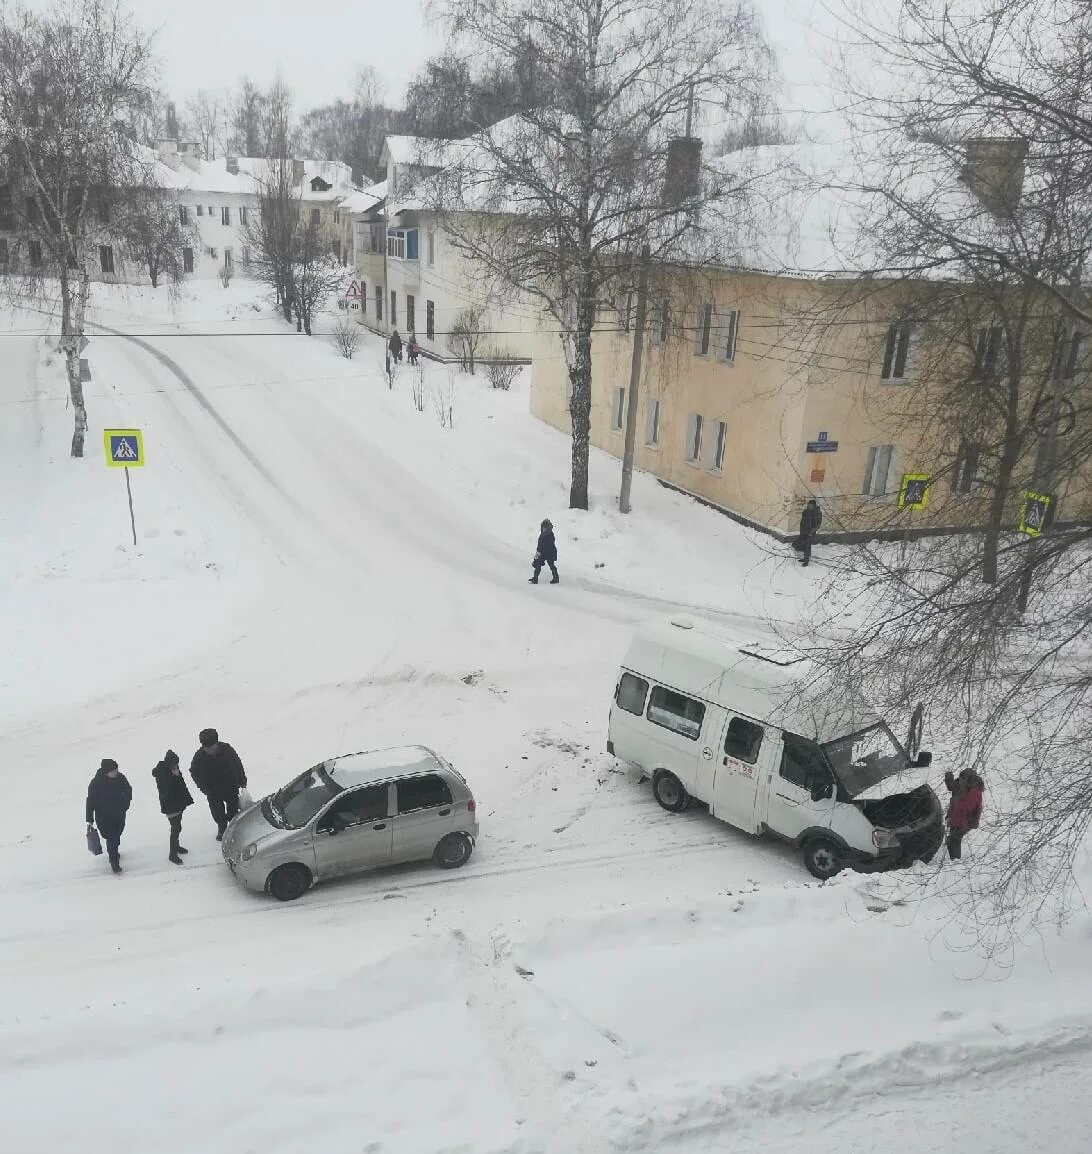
x=634 y=382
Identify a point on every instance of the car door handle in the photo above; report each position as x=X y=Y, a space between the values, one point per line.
x=445 y=812
x=381 y=825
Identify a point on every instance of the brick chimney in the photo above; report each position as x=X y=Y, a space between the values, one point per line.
x=233 y=165
x=297 y=171
x=994 y=171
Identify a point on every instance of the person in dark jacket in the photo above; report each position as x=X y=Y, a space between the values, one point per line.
x=546 y=553
x=174 y=797
x=218 y=773
x=108 y=798
x=395 y=345
x=965 y=808
x=413 y=350
x=810 y=520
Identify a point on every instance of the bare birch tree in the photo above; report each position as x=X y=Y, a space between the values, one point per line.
x=557 y=199
x=72 y=83
x=151 y=228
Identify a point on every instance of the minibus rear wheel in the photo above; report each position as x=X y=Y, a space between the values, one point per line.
x=669 y=791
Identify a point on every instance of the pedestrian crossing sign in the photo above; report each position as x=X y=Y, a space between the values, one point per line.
x=124 y=448
x=914 y=490
x=1033 y=514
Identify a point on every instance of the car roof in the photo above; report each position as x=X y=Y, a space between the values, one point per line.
x=351 y=769
x=778 y=687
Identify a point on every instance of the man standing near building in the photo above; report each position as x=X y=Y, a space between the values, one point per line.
x=218 y=773
x=810 y=520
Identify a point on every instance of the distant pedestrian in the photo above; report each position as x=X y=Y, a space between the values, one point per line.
x=174 y=798
x=395 y=346
x=546 y=553
x=965 y=808
x=108 y=798
x=413 y=350
x=810 y=521
x=218 y=773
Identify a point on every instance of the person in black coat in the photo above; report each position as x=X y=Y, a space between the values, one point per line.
x=218 y=773
x=546 y=553
x=810 y=520
x=395 y=346
x=108 y=798
x=174 y=797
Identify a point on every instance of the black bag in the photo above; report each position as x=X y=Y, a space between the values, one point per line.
x=93 y=842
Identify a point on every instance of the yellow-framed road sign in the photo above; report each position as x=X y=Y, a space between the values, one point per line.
x=124 y=448
x=914 y=490
x=1033 y=513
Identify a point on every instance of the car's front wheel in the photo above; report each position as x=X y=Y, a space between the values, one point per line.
x=669 y=791
x=823 y=858
x=289 y=882
x=453 y=851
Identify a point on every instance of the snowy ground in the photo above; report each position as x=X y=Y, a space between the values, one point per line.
x=323 y=568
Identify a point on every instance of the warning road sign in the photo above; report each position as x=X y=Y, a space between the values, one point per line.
x=124 y=448
x=353 y=291
x=914 y=490
x=1033 y=514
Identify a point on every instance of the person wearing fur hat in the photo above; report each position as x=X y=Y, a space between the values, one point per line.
x=174 y=797
x=218 y=773
x=108 y=798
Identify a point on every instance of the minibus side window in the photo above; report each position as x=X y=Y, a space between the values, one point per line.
x=803 y=763
x=630 y=694
x=743 y=740
x=677 y=712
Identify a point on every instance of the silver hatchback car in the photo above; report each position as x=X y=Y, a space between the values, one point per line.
x=353 y=813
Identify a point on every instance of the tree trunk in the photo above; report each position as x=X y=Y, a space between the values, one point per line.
x=73 y=307
x=153 y=272
x=995 y=518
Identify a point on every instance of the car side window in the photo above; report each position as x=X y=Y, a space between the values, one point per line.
x=743 y=740
x=425 y=792
x=631 y=693
x=677 y=712
x=358 y=806
x=802 y=763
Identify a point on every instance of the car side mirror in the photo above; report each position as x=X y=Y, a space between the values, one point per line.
x=820 y=790
x=923 y=760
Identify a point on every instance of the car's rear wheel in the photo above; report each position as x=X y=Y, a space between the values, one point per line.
x=823 y=858
x=289 y=882
x=669 y=791
x=453 y=851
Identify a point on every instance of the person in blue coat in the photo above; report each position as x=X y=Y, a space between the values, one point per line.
x=546 y=553
x=108 y=798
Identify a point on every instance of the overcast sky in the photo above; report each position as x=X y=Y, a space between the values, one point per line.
x=319 y=45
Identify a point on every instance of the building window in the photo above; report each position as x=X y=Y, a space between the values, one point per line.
x=1067 y=355
x=652 y=424
x=376 y=235
x=106 y=259
x=720 y=438
x=229 y=259
x=896 y=353
x=316 y=217
x=183 y=214
x=211 y=250
x=7 y=214
x=727 y=327
x=34 y=252
x=402 y=244
x=878 y=470
x=430 y=320
x=211 y=211
x=683 y=715
x=244 y=219
x=411 y=244
x=705 y=331
x=661 y=319
x=364 y=297
x=969 y=467
x=631 y=693
x=225 y=216
x=411 y=317
x=200 y=210
x=987 y=352
x=378 y=302
x=3 y=250
x=693 y=438
x=394 y=308
x=618 y=410
x=431 y=246
x=187 y=260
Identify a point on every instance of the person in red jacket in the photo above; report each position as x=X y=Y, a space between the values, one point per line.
x=965 y=808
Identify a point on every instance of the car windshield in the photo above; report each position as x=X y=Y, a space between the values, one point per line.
x=864 y=759
x=301 y=799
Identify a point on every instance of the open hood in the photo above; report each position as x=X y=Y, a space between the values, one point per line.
x=905 y=782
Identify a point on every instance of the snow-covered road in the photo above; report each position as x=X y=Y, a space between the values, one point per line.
x=321 y=569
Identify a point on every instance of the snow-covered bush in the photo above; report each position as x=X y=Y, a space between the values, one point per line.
x=346 y=337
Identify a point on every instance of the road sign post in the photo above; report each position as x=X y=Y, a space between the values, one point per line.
x=125 y=450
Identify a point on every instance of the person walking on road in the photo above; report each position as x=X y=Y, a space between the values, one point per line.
x=108 y=798
x=545 y=553
x=810 y=521
x=218 y=773
x=965 y=808
x=174 y=797
x=413 y=350
x=395 y=345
